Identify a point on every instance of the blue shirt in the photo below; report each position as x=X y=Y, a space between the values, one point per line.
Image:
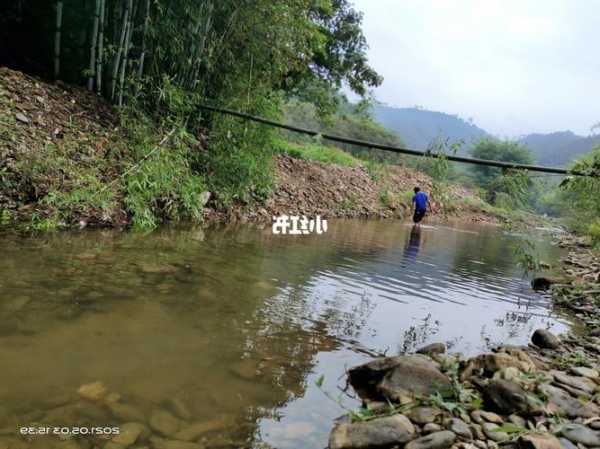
x=420 y=200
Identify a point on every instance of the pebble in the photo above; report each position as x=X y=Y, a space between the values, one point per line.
x=490 y=431
x=129 y=433
x=432 y=427
x=164 y=422
x=480 y=416
x=460 y=428
x=93 y=391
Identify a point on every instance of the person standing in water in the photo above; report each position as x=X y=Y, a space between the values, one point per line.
x=420 y=205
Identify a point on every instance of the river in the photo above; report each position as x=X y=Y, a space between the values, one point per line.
x=232 y=326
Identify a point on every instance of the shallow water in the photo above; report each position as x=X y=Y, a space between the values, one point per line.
x=236 y=324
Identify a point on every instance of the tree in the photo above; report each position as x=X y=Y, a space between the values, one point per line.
x=502 y=181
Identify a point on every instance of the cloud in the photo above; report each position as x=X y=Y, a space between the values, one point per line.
x=515 y=66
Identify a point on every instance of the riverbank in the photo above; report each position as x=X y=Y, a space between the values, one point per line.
x=545 y=395
x=65 y=156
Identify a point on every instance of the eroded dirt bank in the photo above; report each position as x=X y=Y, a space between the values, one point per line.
x=545 y=395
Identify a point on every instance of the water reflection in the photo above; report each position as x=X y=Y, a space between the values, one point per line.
x=236 y=324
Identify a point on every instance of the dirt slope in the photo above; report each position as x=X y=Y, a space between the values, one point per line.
x=53 y=135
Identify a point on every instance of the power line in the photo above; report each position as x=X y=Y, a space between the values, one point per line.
x=393 y=149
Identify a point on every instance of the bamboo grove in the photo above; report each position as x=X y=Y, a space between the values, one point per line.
x=219 y=49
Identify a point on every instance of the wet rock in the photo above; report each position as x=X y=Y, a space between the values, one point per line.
x=195 y=430
x=164 y=422
x=94 y=391
x=578 y=433
x=562 y=402
x=508 y=397
x=437 y=440
x=381 y=432
x=397 y=376
x=539 y=441
x=178 y=408
x=492 y=432
x=583 y=371
x=545 y=339
x=413 y=376
x=128 y=434
x=126 y=412
x=423 y=415
x=433 y=348
x=460 y=428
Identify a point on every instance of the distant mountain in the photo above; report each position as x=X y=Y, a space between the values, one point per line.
x=418 y=127
x=559 y=148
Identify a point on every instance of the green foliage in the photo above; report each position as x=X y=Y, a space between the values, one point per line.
x=495 y=181
x=316 y=152
x=594 y=232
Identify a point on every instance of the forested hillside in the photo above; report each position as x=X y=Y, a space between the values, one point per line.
x=559 y=148
x=419 y=127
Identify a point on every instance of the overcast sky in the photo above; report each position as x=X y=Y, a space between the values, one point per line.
x=514 y=66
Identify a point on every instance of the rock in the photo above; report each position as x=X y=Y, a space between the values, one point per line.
x=490 y=430
x=93 y=391
x=423 y=415
x=561 y=401
x=460 y=428
x=380 y=432
x=21 y=117
x=178 y=408
x=584 y=371
x=578 y=382
x=545 y=339
x=539 y=441
x=578 y=433
x=491 y=444
x=164 y=422
x=414 y=375
x=542 y=283
x=394 y=377
x=595 y=332
x=126 y=412
x=477 y=431
x=433 y=348
x=480 y=444
x=195 y=430
x=566 y=444
x=492 y=362
x=204 y=197
x=480 y=416
x=508 y=397
x=129 y=433
x=175 y=444
x=517 y=420
x=436 y=440
x=432 y=427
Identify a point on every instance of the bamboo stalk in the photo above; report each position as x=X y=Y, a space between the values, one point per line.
x=57 y=36
x=117 y=59
x=93 y=44
x=140 y=71
x=128 y=37
x=100 y=48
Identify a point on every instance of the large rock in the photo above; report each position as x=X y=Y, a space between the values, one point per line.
x=412 y=376
x=436 y=440
x=539 y=441
x=433 y=348
x=381 y=432
x=578 y=433
x=545 y=339
x=164 y=422
x=559 y=401
x=508 y=397
x=490 y=363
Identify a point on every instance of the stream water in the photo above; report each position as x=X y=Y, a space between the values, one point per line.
x=231 y=327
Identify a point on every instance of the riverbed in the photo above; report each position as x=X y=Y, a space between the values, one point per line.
x=232 y=326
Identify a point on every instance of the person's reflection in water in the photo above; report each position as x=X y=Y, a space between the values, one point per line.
x=411 y=250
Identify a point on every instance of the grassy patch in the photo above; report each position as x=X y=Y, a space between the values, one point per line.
x=317 y=152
